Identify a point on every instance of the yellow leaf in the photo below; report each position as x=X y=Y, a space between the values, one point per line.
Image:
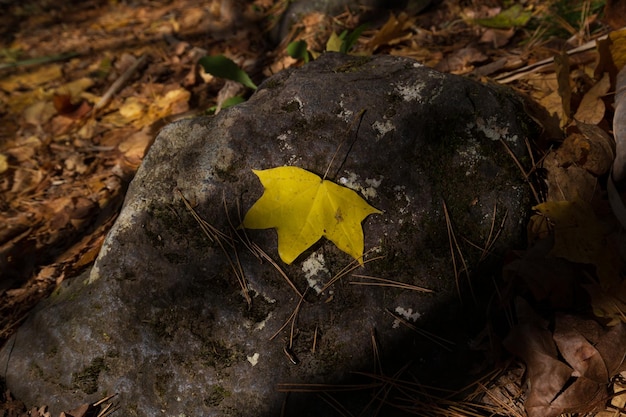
x=617 y=46
x=302 y=208
x=334 y=43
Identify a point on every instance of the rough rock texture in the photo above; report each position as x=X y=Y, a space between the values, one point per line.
x=161 y=318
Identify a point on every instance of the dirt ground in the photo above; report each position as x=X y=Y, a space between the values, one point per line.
x=85 y=87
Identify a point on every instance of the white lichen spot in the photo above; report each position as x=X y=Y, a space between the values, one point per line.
x=411 y=92
x=299 y=102
x=344 y=114
x=406 y=313
x=417 y=65
x=368 y=191
x=400 y=194
x=261 y=325
x=285 y=143
x=492 y=130
x=254 y=359
x=470 y=156
x=383 y=128
x=314 y=268
x=417 y=91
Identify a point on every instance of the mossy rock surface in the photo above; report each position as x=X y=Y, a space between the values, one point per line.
x=161 y=318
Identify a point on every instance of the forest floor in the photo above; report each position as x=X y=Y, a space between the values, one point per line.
x=85 y=87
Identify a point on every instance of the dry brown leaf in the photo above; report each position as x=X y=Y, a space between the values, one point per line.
x=591 y=109
x=578 y=234
x=26 y=180
x=576 y=349
x=568 y=182
x=549 y=279
x=600 y=152
x=136 y=145
x=532 y=342
x=573 y=168
x=589 y=350
x=39 y=113
x=497 y=37
x=461 y=60
x=562 y=69
x=395 y=30
x=619 y=127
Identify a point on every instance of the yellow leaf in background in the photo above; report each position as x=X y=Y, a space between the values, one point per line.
x=618 y=48
x=75 y=88
x=4 y=164
x=30 y=80
x=304 y=208
x=334 y=43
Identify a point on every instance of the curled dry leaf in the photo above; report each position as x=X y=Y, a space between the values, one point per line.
x=591 y=109
x=619 y=127
x=573 y=168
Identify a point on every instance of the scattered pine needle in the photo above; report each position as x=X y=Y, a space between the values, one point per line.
x=282 y=273
x=347 y=269
x=454 y=245
x=382 y=282
x=438 y=340
x=219 y=237
x=291 y=317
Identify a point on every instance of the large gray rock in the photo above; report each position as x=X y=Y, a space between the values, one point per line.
x=161 y=318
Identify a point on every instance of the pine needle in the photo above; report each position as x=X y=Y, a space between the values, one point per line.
x=382 y=282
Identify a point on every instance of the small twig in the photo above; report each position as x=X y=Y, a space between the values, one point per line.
x=357 y=117
x=39 y=60
x=544 y=64
x=117 y=85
